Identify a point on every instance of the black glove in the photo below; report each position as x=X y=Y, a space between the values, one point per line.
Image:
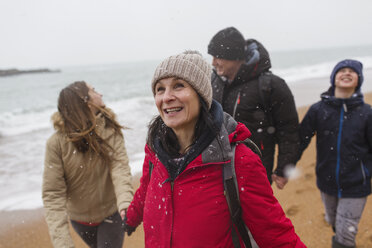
x=127 y=228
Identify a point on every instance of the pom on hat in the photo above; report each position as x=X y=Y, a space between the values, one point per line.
x=349 y=63
x=228 y=44
x=191 y=67
x=192 y=52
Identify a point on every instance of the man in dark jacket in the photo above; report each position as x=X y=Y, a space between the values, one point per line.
x=250 y=93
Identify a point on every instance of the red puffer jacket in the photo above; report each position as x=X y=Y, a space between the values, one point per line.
x=192 y=210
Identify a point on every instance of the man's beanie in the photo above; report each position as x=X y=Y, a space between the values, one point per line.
x=228 y=44
x=349 y=63
x=191 y=67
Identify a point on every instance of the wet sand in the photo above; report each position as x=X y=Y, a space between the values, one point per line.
x=300 y=200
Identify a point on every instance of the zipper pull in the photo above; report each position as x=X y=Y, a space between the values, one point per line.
x=345 y=107
x=170 y=181
x=237 y=102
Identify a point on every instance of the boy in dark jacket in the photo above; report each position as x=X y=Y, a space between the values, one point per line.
x=342 y=123
x=243 y=84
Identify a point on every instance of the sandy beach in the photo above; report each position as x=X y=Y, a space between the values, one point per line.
x=300 y=200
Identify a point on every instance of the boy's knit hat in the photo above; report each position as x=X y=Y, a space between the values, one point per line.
x=228 y=44
x=349 y=63
x=191 y=67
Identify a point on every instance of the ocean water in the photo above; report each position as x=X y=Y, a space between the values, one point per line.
x=28 y=101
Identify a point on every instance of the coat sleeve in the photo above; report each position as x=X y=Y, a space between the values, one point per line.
x=135 y=211
x=368 y=159
x=285 y=120
x=120 y=174
x=261 y=211
x=54 y=195
x=307 y=129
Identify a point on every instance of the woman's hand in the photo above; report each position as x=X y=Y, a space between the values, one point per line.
x=279 y=181
x=128 y=229
x=123 y=213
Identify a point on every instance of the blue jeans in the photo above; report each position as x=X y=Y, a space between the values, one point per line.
x=108 y=234
x=344 y=215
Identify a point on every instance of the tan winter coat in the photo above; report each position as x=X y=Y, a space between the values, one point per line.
x=79 y=187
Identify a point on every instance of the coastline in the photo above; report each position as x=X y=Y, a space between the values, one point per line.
x=16 y=72
x=300 y=200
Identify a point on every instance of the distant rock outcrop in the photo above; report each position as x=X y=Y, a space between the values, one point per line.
x=14 y=72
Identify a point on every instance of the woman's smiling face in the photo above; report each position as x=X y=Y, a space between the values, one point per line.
x=178 y=103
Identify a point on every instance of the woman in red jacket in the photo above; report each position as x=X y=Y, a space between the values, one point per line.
x=181 y=197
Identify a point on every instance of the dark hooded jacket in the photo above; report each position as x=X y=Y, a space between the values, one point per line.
x=241 y=99
x=343 y=129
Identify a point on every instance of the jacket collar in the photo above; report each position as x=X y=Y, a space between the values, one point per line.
x=209 y=148
x=100 y=123
x=204 y=140
x=257 y=61
x=355 y=100
x=101 y=128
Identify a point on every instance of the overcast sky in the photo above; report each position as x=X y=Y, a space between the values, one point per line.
x=52 y=33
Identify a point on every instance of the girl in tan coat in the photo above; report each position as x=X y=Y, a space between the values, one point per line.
x=86 y=176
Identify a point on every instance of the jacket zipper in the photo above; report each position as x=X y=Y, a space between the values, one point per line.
x=343 y=108
x=171 y=237
x=237 y=101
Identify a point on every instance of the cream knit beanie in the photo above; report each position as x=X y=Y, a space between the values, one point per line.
x=191 y=67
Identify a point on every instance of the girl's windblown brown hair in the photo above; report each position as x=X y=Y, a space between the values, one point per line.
x=75 y=119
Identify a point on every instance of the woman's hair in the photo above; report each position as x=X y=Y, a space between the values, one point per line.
x=168 y=138
x=78 y=122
